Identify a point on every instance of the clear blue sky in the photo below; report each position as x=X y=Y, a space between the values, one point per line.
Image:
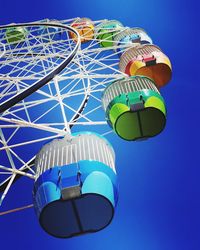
x=159 y=179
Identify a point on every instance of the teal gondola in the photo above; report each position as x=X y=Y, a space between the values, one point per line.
x=130 y=37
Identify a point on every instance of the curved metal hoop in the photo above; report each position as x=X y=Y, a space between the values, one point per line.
x=37 y=85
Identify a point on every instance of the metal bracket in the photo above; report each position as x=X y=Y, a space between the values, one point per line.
x=149 y=60
x=137 y=106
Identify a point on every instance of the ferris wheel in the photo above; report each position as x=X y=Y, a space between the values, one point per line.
x=64 y=85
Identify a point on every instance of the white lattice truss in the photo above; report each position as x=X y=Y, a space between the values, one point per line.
x=74 y=94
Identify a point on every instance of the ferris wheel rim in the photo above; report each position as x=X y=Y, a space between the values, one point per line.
x=41 y=82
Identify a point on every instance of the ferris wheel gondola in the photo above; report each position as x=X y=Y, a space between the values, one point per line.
x=55 y=77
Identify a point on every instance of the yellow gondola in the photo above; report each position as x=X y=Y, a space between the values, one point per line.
x=85 y=28
x=147 y=60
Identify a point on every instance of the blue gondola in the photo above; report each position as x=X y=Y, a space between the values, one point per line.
x=76 y=191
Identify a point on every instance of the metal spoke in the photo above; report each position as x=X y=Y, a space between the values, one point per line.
x=69 y=98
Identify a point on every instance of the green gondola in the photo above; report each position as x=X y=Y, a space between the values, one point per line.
x=134 y=108
x=106 y=32
x=16 y=34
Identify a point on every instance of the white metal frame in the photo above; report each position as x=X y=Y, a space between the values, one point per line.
x=92 y=69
